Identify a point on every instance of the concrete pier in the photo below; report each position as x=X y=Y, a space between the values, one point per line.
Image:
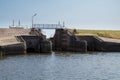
x=107 y=44
x=10 y=45
x=14 y=48
x=67 y=41
x=21 y=41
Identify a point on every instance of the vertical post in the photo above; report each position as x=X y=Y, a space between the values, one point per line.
x=33 y=19
x=13 y=23
x=19 y=23
x=59 y=25
x=63 y=24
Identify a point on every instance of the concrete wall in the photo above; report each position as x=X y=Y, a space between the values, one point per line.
x=12 y=41
x=110 y=47
x=45 y=47
x=66 y=41
x=70 y=42
x=79 y=46
x=32 y=43
x=37 y=44
x=106 y=46
x=17 y=48
x=61 y=40
x=90 y=42
x=97 y=44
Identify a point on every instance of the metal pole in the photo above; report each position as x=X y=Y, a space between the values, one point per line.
x=13 y=23
x=63 y=24
x=33 y=19
x=19 y=23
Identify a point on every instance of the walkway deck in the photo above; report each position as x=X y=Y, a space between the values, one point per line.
x=110 y=40
x=7 y=36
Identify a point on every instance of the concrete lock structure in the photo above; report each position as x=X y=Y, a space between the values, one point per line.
x=19 y=41
x=64 y=40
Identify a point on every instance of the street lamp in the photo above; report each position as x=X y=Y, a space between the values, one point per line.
x=33 y=19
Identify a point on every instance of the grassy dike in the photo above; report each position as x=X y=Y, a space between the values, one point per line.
x=115 y=34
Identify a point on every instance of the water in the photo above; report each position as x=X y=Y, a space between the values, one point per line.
x=61 y=66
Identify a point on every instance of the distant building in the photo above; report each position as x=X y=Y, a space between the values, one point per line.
x=15 y=27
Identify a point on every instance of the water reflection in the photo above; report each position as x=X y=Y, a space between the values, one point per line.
x=61 y=66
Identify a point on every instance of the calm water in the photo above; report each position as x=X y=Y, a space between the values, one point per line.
x=67 y=66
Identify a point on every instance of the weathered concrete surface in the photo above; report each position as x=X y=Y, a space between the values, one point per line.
x=6 y=32
x=90 y=41
x=9 y=43
x=8 y=40
x=67 y=41
x=101 y=43
x=107 y=44
x=20 y=40
x=36 y=42
x=109 y=40
x=14 y=48
x=7 y=36
x=45 y=47
x=17 y=40
x=32 y=43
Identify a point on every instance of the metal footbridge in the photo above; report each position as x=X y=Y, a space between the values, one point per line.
x=48 y=26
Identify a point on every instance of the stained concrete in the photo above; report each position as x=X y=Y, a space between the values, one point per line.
x=22 y=41
x=84 y=43
x=65 y=41
x=14 y=48
x=107 y=44
x=14 y=41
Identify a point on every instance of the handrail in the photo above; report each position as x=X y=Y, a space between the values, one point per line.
x=98 y=39
x=48 y=26
x=20 y=39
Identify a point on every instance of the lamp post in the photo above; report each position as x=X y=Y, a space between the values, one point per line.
x=33 y=19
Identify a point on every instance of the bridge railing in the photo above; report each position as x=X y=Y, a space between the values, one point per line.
x=48 y=26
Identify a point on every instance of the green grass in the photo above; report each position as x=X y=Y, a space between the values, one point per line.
x=103 y=33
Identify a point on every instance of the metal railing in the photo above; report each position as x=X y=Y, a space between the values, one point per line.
x=48 y=26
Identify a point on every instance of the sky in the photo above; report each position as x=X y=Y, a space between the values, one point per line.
x=82 y=14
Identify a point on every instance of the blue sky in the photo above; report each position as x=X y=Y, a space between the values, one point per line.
x=83 y=14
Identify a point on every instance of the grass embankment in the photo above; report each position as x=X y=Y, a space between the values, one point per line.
x=115 y=34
